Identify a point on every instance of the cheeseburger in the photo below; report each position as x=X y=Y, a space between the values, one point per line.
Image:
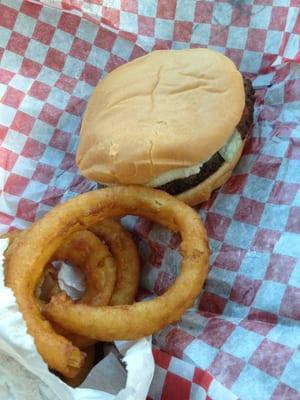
x=174 y=120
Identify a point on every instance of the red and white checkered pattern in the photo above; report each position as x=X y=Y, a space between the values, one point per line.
x=245 y=326
x=257 y=34
x=177 y=380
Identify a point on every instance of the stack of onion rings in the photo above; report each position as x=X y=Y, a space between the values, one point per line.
x=37 y=245
x=107 y=274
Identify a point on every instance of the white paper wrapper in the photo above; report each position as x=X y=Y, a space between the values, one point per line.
x=24 y=375
x=66 y=275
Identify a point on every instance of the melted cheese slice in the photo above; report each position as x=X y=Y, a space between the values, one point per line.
x=227 y=152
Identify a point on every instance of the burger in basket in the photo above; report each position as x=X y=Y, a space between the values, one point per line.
x=174 y=120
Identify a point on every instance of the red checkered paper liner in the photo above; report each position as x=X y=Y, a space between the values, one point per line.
x=242 y=337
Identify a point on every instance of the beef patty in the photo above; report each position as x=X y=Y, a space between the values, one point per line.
x=215 y=162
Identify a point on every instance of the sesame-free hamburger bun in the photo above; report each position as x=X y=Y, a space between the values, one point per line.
x=167 y=120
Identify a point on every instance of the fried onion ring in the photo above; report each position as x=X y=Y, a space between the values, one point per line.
x=57 y=351
x=106 y=323
x=85 y=370
x=126 y=257
x=82 y=249
x=85 y=251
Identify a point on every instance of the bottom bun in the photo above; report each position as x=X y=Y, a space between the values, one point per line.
x=202 y=192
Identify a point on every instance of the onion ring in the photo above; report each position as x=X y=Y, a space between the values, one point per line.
x=124 y=252
x=85 y=251
x=127 y=260
x=126 y=257
x=48 y=287
x=84 y=371
x=57 y=351
x=105 y=322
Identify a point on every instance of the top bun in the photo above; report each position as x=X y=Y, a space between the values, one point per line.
x=167 y=110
